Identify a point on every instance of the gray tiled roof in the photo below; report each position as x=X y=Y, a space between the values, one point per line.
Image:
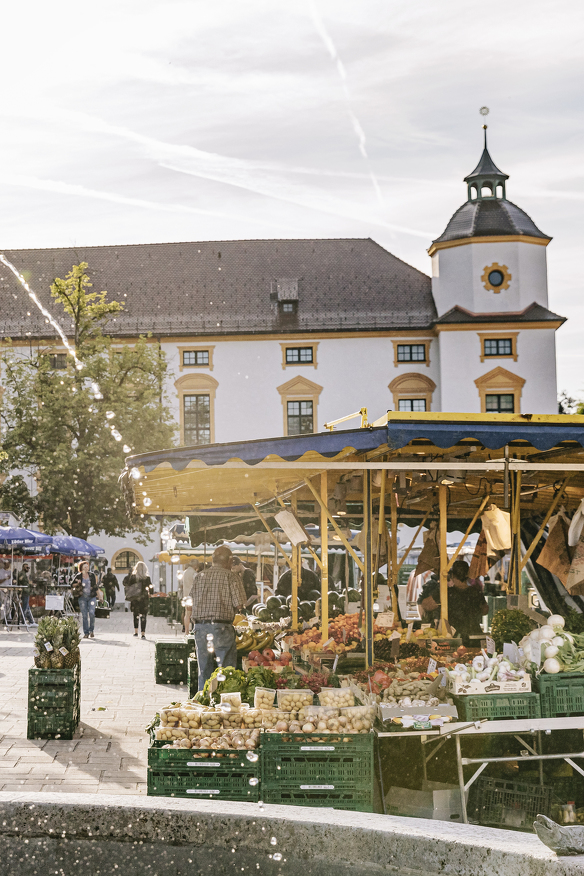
x=534 y=313
x=227 y=287
x=489 y=218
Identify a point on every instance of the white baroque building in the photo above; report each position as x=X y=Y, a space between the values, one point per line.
x=276 y=337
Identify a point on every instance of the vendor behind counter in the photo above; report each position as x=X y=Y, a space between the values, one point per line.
x=466 y=603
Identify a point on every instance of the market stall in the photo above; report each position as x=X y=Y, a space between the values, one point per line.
x=441 y=472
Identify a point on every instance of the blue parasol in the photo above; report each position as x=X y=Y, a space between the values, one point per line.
x=15 y=536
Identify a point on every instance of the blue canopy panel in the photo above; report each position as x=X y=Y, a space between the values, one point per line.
x=326 y=444
x=493 y=436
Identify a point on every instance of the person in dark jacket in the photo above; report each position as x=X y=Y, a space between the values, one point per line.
x=466 y=603
x=248 y=580
x=23 y=582
x=139 y=578
x=110 y=584
x=85 y=587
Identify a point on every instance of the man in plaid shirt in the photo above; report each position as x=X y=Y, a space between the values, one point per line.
x=217 y=594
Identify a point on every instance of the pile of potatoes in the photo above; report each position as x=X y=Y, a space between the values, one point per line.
x=232 y=740
x=409 y=690
x=337 y=697
x=263 y=698
x=294 y=700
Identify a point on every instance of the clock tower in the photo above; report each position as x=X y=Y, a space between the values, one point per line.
x=496 y=336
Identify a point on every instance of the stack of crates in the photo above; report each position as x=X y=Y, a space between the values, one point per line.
x=193 y=676
x=338 y=774
x=53 y=703
x=475 y=707
x=203 y=774
x=171 y=661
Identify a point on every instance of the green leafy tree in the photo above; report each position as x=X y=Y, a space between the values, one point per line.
x=67 y=430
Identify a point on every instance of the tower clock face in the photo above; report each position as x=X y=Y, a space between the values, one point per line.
x=496 y=277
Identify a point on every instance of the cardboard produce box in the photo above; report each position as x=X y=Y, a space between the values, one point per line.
x=437 y=801
x=458 y=687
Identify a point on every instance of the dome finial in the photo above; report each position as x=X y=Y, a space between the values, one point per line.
x=484 y=111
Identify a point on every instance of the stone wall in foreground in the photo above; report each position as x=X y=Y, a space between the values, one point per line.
x=67 y=834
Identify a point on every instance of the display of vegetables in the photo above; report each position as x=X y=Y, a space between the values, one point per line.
x=510 y=625
x=552 y=649
x=485 y=668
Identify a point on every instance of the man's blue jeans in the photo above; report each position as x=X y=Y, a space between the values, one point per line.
x=87 y=608
x=223 y=648
x=26 y=609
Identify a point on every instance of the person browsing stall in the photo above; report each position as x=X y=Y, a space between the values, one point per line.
x=217 y=594
x=85 y=588
x=248 y=580
x=186 y=586
x=466 y=603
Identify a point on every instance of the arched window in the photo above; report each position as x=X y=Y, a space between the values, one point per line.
x=486 y=190
x=125 y=560
x=500 y=391
x=196 y=395
x=500 y=191
x=473 y=193
x=412 y=392
x=300 y=402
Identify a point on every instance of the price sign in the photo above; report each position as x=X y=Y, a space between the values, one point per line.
x=385 y=619
x=490 y=647
x=442 y=672
x=63 y=651
x=328 y=642
x=48 y=646
x=409 y=632
x=335 y=664
x=431 y=666
x=425 y=626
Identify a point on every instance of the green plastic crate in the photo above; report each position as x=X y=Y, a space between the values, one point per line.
x=58 y=725
x=159 y=606
x=203 y=775
x=171 y=652
x=192 y=676
x=52 y=699
x=508 y=804
x=292 y=761
x=53 y=677
x=357 y=801
x=171 y=673
x=561 y=695
x=474 y=707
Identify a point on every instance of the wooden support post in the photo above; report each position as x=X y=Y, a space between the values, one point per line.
x=334 y=524
x=516 y=530
x=368 y=567
x=296 y=569
x=324 y=575
x=393 y=548
x=443 y=506
x=381 y=524
x=272 y=536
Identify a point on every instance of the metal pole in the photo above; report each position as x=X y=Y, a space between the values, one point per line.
x=296 y=570
x=394 y=572
x=368 y=566
x=461 y=779
x=324 y=578
x=443 y=505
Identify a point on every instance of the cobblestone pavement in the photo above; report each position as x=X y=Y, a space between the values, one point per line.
x=109 y=752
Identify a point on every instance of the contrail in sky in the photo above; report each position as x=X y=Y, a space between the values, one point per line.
x=357 y=127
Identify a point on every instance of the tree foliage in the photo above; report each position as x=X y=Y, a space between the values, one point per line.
x=67 y=430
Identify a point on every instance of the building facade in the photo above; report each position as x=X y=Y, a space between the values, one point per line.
x=277 y=337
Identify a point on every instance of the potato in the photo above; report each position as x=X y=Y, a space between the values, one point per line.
x=339 y=697
x=293 y=700
x=263 y=698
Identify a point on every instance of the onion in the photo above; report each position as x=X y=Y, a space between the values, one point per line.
x=551 y=651
x=556 y=620
x=308 y=728
x=546 y=633
x=552 y=666
x=558 y=641
x=534 y=634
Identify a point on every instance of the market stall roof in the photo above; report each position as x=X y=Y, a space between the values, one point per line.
x=188 y=480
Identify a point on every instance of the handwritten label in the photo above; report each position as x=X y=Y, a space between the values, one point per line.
x=385 y=619
x=409 y=632
x=442 y=671
x=490 y=646
x=431 y=666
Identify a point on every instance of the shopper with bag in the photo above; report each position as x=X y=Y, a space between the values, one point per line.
x=138 y=589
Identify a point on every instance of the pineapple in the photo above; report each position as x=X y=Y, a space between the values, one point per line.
x=71 y=640
x=57 y=642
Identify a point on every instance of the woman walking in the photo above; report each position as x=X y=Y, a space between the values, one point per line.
x=85 y=588
x=138 y=591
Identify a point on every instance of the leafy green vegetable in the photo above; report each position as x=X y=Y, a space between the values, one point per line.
x=574 y=621
x=234 y=681
x=510 y=625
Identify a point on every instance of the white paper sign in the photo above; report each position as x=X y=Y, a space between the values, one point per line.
x=409 y=632
x=54 y=602
x=510 y=652
x=425 y=626
x=335 y=664
x=431 y=666
x=48 y=646
x=490 y=646
x=385 y=619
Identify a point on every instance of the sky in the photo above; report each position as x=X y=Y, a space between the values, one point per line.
x=140 y=121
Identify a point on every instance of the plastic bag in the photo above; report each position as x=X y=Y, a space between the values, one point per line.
x=497 y=529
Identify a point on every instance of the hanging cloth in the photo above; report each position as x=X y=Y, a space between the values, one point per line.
x=556 y=554
x=479 y=565
x=429 y=559
x=497 y=529
x=576 y=526
x=575 y=581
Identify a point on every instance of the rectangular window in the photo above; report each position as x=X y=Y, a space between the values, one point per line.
x=58 y=361
x=500 y=403
x=299 y=417
x=411 y=352
x=302 y=355
x=196 y=357
x=288 y=307
x=197 y=419
x=411 y=404
x=498 y=347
